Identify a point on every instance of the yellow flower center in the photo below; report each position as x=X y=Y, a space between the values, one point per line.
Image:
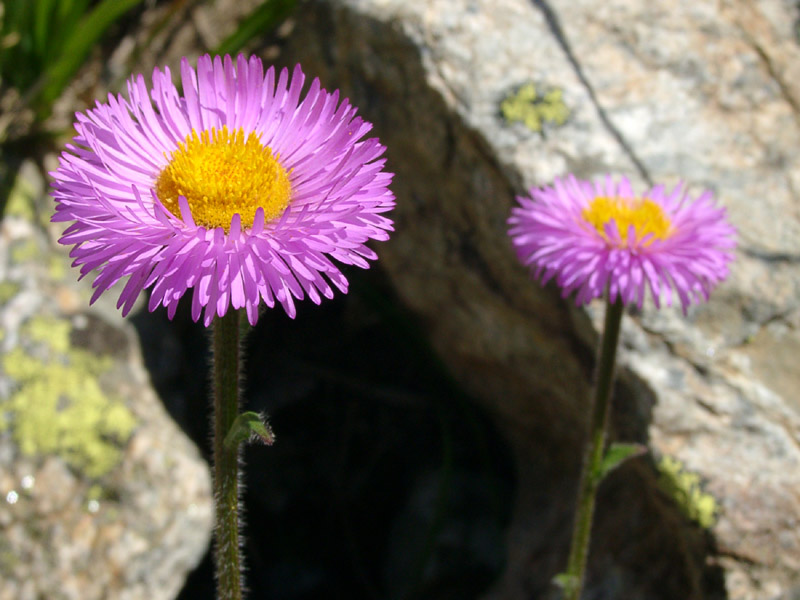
x=222 y=173
x=646 y=216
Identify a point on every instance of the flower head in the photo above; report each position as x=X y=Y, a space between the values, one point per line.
x=603 y=238
x=236 y=188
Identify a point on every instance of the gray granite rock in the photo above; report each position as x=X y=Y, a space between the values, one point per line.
x=478 y=99
x=101 y=496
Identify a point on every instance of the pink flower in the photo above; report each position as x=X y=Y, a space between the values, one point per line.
x=237 y=189
x=603 y=238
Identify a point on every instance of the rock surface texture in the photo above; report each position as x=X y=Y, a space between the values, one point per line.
x=478 y=99
x=101 y=496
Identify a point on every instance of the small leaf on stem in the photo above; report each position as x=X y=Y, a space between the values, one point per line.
x=247 y=427
x=566 y=582
x=615 y=455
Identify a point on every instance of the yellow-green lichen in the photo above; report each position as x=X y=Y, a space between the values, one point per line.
x=59 y=406
x=21 y=200
x=24 y=251
x=51 y=331
x=686 y=489
x=8 y=289
x=531 y=109
x=8 y=559
x=57 y=268
x=95 y=492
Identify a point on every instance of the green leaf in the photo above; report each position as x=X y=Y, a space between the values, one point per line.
x=616 y=454
x=249 y=426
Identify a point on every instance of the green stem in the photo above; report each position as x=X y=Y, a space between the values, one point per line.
x=590 y=479
x=226 y=460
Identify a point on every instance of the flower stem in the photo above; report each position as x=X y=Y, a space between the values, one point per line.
x=226 y=460
x=591 y=472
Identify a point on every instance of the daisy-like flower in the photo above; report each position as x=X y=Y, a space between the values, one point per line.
x=603 y=238
x=236 y=188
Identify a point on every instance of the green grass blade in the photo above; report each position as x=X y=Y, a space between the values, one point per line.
x=44 y=21
x=17 y=14
x=17 y=66
x=77 y=46
x=68 y=15
x=262 y=20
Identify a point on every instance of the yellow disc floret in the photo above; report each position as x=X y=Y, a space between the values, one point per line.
x=646 y=217
x=221 y=173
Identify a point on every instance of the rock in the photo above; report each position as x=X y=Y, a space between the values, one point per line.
x=478 y=99
x=101 y=496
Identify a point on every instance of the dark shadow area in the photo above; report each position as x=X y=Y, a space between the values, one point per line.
x=386 y=480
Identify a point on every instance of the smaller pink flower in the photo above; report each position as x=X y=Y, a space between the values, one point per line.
x=603 y=238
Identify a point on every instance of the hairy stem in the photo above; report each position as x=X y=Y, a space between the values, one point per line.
x=226 y=460
x=590 y=472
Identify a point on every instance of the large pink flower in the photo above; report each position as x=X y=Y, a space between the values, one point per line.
x=603 y=238
x=236 y=188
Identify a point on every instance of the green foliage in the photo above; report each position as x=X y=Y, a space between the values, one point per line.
x=685 y=488
x=43 y=43
x=534 y=110
x=262 y=20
